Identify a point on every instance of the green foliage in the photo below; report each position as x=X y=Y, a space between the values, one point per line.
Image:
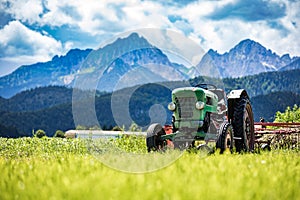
x=289 y=115
x=95 y=127
x=135 y=128
x=59 y=134
x=80 y=127
x=40 y=133
x=117 y=128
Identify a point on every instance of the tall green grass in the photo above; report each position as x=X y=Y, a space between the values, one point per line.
x=46 y=168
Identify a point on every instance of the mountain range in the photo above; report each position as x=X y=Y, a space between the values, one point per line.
x=247 y=58
x=133 y=61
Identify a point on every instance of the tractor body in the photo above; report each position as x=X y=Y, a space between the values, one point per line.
x=204 y=113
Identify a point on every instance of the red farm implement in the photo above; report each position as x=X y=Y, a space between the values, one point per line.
x=277 y=134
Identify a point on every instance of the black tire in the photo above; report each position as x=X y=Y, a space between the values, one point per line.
x=266 y=147
x=153 y=140
x=243 y=125
x=225 y=140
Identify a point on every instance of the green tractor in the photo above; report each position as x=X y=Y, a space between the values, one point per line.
x=203 y=115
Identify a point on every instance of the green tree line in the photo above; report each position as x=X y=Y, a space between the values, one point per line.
x=289 y=115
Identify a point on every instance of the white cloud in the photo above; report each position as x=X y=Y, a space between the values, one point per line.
x=223 y=34
x=56 y=15
x=102 y=19
x=115 y=17
x=18 y=41
x=24 y=10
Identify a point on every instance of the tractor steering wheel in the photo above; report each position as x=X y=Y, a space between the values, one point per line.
x=206 y=86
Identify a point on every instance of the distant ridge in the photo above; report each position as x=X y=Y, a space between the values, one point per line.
x=59 y=71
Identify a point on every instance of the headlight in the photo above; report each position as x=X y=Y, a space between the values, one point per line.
x=171 y=106
x=199 y=105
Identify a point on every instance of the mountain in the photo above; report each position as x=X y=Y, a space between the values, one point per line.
x=59 y=71
x=246 y=58
x=291 y=66
x=123 y=63
x=127 y=62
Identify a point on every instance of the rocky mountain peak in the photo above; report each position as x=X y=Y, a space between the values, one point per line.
x=212 y=52
x=248 y=47
x=246 y=58
x=131 y=42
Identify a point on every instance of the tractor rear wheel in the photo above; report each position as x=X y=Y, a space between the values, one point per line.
x=225 y=140
x=243 y=125
x=153 y=140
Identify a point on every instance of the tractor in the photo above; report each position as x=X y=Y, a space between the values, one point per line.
x=202 y=115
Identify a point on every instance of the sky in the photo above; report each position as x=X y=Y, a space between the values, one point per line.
x=36 y=30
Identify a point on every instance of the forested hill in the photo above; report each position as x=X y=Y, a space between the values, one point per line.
x=41 y=98
x=50 y=108
x=260 y=84
x=37 y=99
x=266 y=83
x=267 y=105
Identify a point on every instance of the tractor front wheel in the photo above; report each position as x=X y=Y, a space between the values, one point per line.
x=153 y=140
x=225 y=140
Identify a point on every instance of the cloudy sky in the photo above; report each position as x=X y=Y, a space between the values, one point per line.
x=36 y=30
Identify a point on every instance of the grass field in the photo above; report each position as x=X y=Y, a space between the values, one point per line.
x=33 y=168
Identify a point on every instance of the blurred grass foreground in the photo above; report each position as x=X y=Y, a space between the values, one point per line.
x=55 y=168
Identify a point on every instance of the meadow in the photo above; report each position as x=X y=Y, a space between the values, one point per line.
x=55 y=168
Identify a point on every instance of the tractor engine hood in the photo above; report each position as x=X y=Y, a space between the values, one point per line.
x=189 y=96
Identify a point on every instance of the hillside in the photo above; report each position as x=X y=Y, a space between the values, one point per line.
x=259 y=84
x=50 y=120
x=60 y=117
x=40 y=98
x=267 y=105
x=50 y=108
x=37 y=99
x=266 y=83
x=10 y=132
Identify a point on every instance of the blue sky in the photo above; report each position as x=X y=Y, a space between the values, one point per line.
x=36 y=30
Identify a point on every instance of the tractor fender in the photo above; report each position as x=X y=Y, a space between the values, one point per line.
x=232 y=97
x=236 y=94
